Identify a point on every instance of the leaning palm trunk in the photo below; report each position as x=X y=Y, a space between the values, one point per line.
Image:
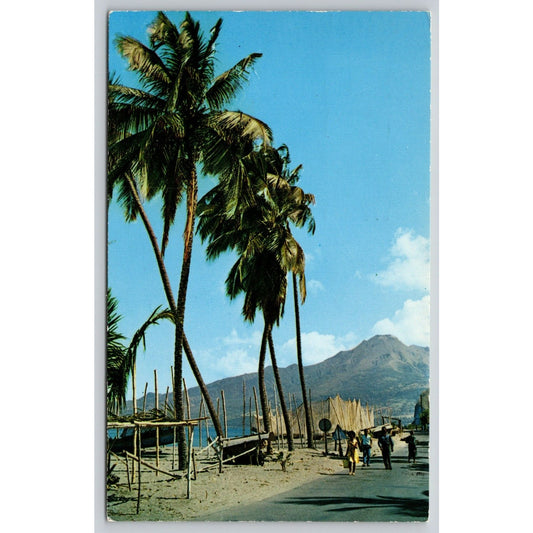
x=285 y=412
x=308 y=424
x=261 y=382
x=192 y=193
x=170 y=298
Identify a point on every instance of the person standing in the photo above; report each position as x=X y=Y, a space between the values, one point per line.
x=386 y=446
x=352 y=452
x=411 y=447
x=366 y=444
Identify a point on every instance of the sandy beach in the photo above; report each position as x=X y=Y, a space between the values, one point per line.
x=165 y=499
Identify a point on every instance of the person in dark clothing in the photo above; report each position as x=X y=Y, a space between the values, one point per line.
x=366 y=442
x=411 y=447
x=386 y=446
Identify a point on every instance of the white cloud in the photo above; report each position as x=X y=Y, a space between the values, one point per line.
x=410 y=263
x=236 y=362
x=314 y=286
x=411 y=324
x=233 y=339
x=316 y=347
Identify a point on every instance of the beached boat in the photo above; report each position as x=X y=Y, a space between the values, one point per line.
x=248 y=449
x=124 y=442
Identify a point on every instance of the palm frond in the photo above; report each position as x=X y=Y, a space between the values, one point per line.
x=142 y=60
x=227 y=84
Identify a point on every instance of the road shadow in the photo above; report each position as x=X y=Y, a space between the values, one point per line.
x=417 y=508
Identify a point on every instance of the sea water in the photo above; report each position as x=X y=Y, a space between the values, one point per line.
x=233 y=431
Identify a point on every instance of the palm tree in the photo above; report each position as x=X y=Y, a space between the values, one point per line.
x=258 y=274
x=259 y=232
x=163 y=130
x=294 y=208
x=121 y=359
x=115 y=357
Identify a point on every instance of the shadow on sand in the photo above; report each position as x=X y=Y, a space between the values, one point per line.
x=409 y=507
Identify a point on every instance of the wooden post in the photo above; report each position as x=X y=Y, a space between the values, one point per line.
x=207 y=434
x=187 y=402
x=279 y=430
x=200 y=423
x=224 y=411
x=144 y=399
x=128 y=473
x=156 y=404
x=166 y=402
x=250 y=414
x=134 y=388
x=139 y=472
x=298 y=420
x=312 y=420
x=189 y=458
x=243 y=408
x=174 y=449
x=256 y=412
x=188 y=405
x=194 y=472
x=135 y=444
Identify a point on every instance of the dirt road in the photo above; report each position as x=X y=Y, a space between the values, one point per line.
x=372 y=495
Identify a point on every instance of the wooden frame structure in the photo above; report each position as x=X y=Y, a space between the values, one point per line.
x=137 y=425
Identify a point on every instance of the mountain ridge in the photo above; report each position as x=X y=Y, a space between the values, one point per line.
x=380 y=371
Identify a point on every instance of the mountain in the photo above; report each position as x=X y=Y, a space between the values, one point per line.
x=381 y=371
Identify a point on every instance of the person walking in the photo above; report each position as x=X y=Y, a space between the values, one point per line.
x=386 y=446
x=366 y=444
x=411 y=447
x=352 y=452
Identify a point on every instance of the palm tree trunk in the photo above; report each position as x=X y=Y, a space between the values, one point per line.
x=170 y=298
x=308 y=424
x=285 y=412
x=134 y=388
x=261 y=382
x=203 y=388
x=192 y=194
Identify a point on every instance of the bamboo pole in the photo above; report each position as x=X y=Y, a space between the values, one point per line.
x=128 y=474
x=243 y=408
x=224 y=412
x=200 y=423
x=297 y=420
x=206 y=449
x=189 y=430
x=139 y=473
x=250 y=414
x=134 y=388
x=256 y=412
x=278 y=426
x=166 y=402
x=194 y=473
x=207 y=433
x=205 y=468
x=148 y=465
x=312 y=419
x=135 y=439
x=174 y=449
x=144 y=397
x=189 y=457
x=156 y=403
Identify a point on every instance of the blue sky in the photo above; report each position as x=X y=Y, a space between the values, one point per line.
x=349 y=93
